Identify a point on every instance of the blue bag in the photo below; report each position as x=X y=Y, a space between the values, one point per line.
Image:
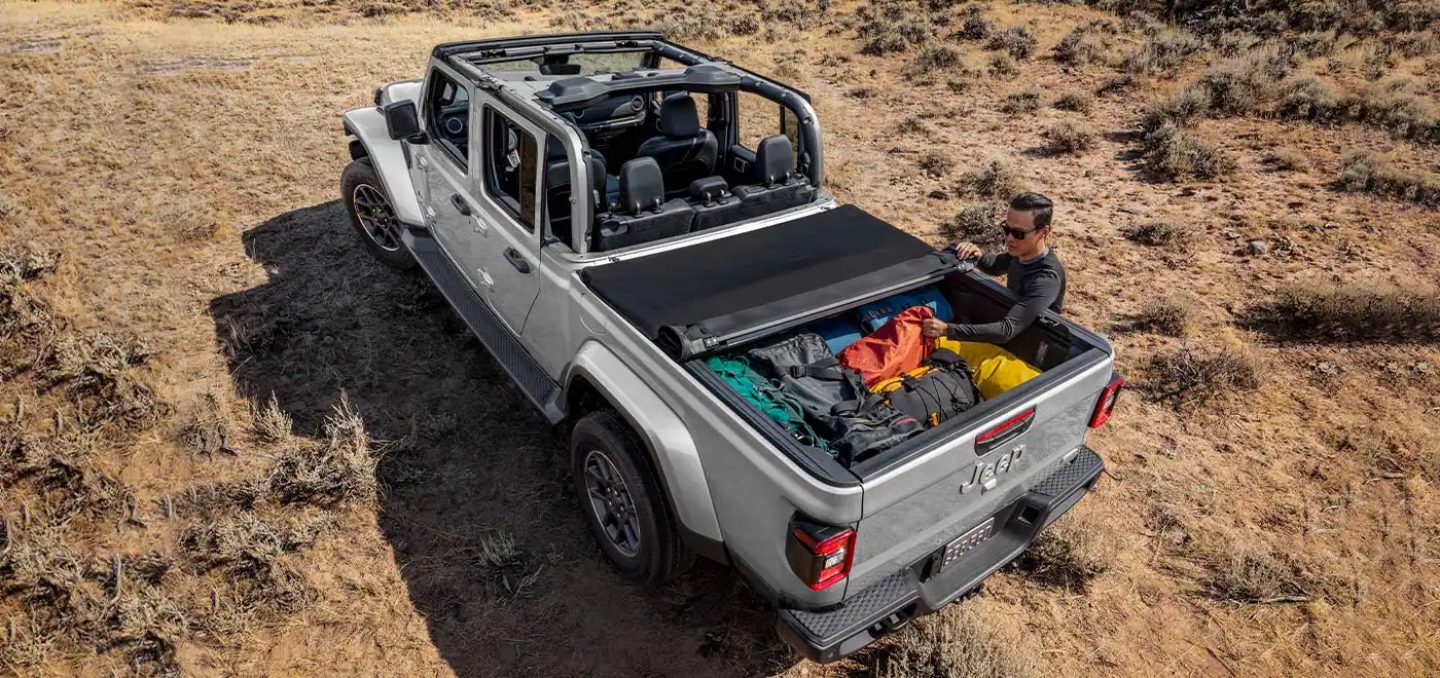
x=875 y=314
x=838 y=332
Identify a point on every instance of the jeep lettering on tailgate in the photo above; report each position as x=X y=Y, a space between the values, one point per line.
x=986 y=475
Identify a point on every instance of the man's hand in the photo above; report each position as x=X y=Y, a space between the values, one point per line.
x=967 y=250
x=932 y=328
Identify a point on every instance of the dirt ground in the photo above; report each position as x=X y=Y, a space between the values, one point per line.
x=183 y=161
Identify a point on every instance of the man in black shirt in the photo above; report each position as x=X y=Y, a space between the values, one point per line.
x=1032 y=272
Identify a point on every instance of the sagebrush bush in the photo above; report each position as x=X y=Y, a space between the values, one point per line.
x=1356 y=312
x=973 y=24
x=935 y=57
x=1002 y=66
x=1169 y=315
x=996 y=179
x=1077 y=100
x=1067 y=137
x=1241 y=85
x=1188 y=376
x=1087 y=44
x=1017 y=42
x=1178 y=155
x=1163 y=52
x=1181 y=109
x=1174 y=234
x=1021 y=101
x=1363 y=172
x=936 y=164
x=1307 y=97
x=1286 y=159
x=1250 y=574
x=978 y=223
x=1070 y=552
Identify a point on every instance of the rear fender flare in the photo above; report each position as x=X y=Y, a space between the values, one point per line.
x=675 y=455
x=389 y=158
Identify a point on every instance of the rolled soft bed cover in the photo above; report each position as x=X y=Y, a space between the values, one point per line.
x=688 y=299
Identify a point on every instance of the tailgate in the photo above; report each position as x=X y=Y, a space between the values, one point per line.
x=915 y=508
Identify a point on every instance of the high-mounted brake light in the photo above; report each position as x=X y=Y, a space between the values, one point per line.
x=820 y=554
x=1106 y=406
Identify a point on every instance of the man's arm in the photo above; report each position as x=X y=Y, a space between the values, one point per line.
x=994 y=263
x=1040 y=291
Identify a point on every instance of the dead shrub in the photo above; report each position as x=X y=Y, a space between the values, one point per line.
x=959 y=641
x=1178 y=155
x=97 y=370
x=912 y=125
x=1170 y=234
x=1169 y=315
x=272 y=424
x=1077 y=100
x=1363 y=172
x=26 y=322
x=936 y=164
x=1286 y=159
x=1261 y=575
x=340 y=469
x=1021 y=101
x=204 y=431
x=1016 y=42
x=1069 y=553
x=978 y=223
x=1189 y=376
x=1068 y=138
x=996 y=179
x=1358 y=312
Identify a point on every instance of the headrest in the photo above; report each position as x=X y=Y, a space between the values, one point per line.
x=641 y=185
x=678 y=119
x=774 y=159
x=709 y=189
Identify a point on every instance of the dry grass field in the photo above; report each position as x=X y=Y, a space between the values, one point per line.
x=232 y=444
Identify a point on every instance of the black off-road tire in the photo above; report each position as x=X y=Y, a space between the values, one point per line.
x=660 y=554
x=381 y=236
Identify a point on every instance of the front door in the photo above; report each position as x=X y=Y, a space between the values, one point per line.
x=509 y=203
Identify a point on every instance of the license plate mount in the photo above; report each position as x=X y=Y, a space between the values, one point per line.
x=966 y=543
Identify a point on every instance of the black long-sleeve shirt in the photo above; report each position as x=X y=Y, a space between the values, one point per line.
x=1039 y=283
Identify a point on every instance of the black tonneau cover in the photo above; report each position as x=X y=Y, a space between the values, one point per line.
x=687 y=299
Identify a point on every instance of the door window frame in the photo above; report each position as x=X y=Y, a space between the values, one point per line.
x=461 y=162
x=481 y=185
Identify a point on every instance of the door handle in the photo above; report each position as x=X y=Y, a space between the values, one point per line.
x=516 y=260
x=460 y=205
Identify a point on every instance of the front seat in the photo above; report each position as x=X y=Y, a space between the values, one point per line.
x=684 y=151
x=641 y=214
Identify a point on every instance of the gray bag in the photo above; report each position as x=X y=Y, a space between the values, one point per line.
x=834 y=398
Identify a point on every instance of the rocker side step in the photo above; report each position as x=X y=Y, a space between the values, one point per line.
x=506 y=349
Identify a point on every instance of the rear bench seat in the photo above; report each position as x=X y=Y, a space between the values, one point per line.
x=777 y=187
x=641 y=214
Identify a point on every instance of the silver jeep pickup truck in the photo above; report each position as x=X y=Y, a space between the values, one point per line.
x=606 y=211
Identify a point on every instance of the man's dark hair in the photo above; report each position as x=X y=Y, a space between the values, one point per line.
x=1037 y=205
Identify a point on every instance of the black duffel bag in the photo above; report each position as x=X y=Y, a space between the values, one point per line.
x=943 y=392
x=834 y=398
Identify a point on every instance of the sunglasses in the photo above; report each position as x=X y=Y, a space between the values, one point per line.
x=1015 y=232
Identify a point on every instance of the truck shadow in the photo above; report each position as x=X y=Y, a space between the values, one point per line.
x=477 y=503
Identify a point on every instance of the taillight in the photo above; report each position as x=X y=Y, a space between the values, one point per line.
x=1106 y=406
x=820 y=554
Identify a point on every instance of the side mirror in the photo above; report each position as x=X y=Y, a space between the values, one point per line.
x=402 y=121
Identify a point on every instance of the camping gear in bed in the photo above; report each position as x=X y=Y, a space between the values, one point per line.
x=994 y=369
x=834 y=399
x=934 y=392
x=897 y=347
x=839 y=331
x=735 y=371
x=875 y=314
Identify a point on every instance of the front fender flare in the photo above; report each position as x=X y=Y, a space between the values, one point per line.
x=669 y=440
x=387 y=156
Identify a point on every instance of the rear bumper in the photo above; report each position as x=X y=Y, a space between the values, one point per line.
x=913 y=592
